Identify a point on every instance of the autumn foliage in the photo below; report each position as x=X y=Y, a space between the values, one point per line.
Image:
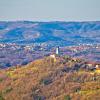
x=45 y=79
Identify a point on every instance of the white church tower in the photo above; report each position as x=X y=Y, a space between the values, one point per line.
x=57 y=51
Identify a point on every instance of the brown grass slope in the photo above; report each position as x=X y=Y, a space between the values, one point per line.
x=46 y=79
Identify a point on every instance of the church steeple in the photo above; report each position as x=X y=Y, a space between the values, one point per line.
x=57 y=51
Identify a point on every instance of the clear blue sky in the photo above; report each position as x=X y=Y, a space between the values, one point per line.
x=50 y=10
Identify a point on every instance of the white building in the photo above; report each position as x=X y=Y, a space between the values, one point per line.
x=57 y=51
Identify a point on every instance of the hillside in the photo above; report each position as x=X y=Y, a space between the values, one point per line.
x=63 y=78
x=51 y=33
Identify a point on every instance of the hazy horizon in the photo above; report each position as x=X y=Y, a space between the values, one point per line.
x=50 y=10
x=48 y=21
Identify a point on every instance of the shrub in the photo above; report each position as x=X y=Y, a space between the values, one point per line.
x=1 y=97
x=77 y=89
x=1 y=79
x=7 y=90
x=46 y=81
x=67 y=97
x=37 y=97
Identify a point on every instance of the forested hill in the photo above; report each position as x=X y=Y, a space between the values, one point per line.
x=60 y=78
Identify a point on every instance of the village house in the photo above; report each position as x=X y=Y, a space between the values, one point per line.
x=93 y=65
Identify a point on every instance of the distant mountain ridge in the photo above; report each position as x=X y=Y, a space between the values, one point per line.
x=53 y=33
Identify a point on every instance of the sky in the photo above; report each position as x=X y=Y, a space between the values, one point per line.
x=50 y=10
